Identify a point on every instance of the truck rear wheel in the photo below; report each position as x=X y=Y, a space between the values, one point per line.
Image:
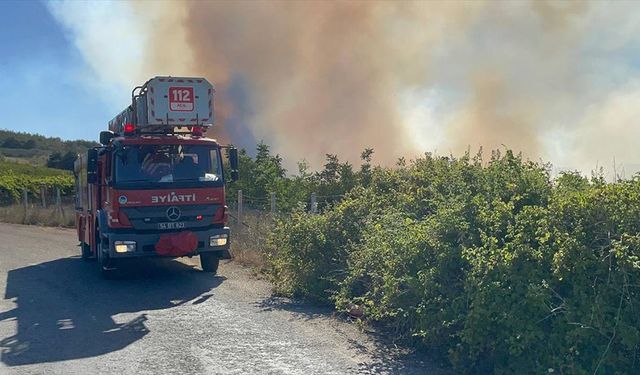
x=209 y=262
x=86 y=251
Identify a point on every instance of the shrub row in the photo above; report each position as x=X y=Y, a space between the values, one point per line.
x=11 y=185
x=492 y=265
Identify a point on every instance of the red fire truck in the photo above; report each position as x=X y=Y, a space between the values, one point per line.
x=156 y=186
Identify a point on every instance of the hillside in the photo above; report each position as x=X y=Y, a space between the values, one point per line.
x=8 y=167
x=35 y=149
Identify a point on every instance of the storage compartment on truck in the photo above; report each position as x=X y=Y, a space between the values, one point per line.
x=167 y=103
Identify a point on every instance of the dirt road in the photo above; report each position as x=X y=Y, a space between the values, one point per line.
x=57 y=316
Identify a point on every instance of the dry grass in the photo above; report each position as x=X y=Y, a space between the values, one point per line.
x=35 y=215
x=249 y=239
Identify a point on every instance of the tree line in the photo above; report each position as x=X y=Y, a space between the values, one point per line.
x=264 y=174
x=37 y=149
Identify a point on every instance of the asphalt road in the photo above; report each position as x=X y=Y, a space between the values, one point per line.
x=58 y=316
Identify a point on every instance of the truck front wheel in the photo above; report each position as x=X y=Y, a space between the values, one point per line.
x=104 y=263
x=105 y=266
x=209 y=262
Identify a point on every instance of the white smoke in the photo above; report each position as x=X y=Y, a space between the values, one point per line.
x=109 y=39
x=117 y=40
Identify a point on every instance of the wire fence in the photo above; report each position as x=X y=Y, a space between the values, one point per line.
x=270 y=205
x=252 y=219
x=48 y=206
x=42 y=196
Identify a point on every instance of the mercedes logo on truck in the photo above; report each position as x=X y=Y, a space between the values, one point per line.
x=173 y=213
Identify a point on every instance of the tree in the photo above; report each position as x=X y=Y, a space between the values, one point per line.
x=29 y=144
x=329 y=175
x=60 y=161
x=54 y=159
x=11 y=142
x=365 y=168
x=67 y=160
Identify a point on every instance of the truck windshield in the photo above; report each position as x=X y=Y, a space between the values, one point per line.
x=167 y=163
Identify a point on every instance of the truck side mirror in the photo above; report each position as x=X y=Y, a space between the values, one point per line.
x=106 y=137
x=92 y=166
x=233 y=162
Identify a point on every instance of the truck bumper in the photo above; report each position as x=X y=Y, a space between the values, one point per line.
x=145 y=243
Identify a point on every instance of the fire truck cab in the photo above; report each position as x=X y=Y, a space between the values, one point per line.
x=156 y=186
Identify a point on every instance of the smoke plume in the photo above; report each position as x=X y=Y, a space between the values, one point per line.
x=550 y=79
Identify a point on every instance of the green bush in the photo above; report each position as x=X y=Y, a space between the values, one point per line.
x=491 y=265
x=308 y=253
x=303 y=257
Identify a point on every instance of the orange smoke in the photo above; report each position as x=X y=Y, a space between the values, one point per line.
x=322 y=77
x=547 y=78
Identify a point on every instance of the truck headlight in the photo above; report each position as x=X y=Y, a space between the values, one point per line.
x=218 y=240
x=124 y=246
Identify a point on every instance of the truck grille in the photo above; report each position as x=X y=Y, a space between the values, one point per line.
x=148 y=218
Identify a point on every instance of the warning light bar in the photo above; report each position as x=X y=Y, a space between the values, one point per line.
x=197 y=131
x=129 y=129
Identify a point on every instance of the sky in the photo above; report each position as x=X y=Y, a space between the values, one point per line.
x=43 y=77
x=556 y=80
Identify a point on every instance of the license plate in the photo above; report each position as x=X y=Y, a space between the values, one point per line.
x=170 y=225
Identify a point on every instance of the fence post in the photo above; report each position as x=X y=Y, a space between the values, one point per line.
x=314 y=203
x=273 y=203
x=59 y=203
x=239 y=206
x=25 y=199
x=58 y=198
x=43 y=191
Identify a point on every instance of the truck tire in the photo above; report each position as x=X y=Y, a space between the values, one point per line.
x=209 y=262
x=104 y=264
x=86 y=251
